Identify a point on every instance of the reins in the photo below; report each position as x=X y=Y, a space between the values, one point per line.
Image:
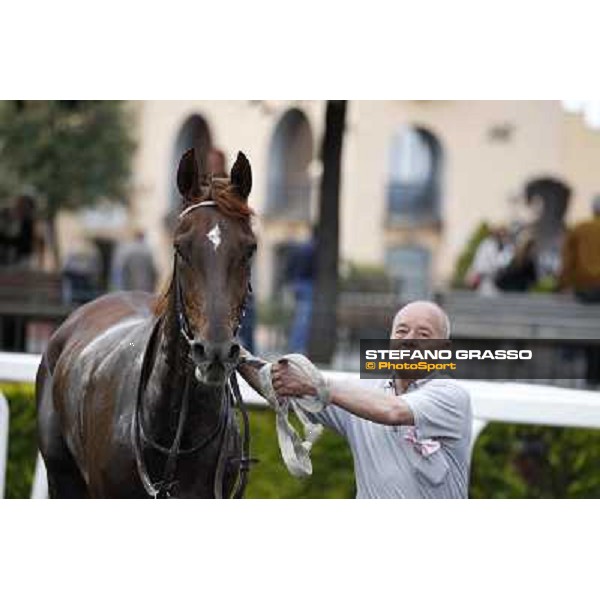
x=231 y=398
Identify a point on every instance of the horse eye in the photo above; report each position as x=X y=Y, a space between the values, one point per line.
x=250 y=251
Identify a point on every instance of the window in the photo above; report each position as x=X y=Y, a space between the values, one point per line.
x=290 y=154
x=415 y=177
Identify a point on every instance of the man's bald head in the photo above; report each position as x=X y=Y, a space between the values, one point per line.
x=421 y=319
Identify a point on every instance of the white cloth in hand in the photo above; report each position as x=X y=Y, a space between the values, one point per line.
x=295 y=451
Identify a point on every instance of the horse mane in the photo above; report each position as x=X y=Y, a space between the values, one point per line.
x=229 y=203
x=160 y=305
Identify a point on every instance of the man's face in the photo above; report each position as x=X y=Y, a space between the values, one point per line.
x=417 y=321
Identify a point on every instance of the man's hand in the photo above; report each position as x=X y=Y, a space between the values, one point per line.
x=288 y=382
x=374 y=405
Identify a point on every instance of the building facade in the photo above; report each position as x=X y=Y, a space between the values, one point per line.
x=418 y=177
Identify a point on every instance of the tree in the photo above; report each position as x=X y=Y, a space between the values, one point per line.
x=72 y=153
x=324 y=323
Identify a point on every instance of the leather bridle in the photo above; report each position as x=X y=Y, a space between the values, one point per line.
x=232 y=399
x=182 y=320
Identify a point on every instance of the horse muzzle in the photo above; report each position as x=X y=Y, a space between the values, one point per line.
x=215 y=361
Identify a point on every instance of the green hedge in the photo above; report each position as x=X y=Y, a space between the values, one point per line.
x=22 y=447
x=332 y=476
x=269 y=478
x=365 y=278
x=517 y=461
x=465 y=260
x=510 y=461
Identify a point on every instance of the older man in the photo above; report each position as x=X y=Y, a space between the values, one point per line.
x=409 y=439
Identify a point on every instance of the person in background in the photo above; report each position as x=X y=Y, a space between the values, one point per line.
x=21 y=249
x=521 y=272
x=18 y=238
x=133 y=266
x=300 y=275
x=5 y=230
x=549 y=198
x=81 y=274
x=493 y=253
x=216 y=163
x=580 y=270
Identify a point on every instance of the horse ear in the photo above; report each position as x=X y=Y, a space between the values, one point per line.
x=241 y=175
x=187 y=174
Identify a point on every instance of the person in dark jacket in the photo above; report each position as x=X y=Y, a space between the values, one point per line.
x=18 y=240
x=300 y=273
x=521 y=272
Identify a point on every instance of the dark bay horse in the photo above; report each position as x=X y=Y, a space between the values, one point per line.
x=132 y=392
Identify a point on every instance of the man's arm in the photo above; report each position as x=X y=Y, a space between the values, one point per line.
x=373 y=405
x=250 y=366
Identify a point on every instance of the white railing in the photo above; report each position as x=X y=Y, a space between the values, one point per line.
x=4 y=417
x=522 y=403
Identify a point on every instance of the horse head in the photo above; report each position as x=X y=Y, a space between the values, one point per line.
x=213 y=247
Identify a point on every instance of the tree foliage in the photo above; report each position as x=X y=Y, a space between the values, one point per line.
x=71 y=153
x=468 y=254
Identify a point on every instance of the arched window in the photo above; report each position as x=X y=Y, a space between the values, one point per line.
x=193 y=133
x=410 y=267
x=290 y=154
x=414 y=187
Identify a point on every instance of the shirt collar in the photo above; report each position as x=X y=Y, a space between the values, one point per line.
x=413 y=385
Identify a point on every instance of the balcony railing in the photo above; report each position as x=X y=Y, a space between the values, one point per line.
x=413 y=203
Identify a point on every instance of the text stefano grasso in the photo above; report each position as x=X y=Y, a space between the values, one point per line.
x=499 y=354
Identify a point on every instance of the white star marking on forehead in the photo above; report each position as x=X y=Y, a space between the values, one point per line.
x=214 y=235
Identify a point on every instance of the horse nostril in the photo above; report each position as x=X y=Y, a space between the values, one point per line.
x=234 y=351
x=198 y=350
x=220 y=352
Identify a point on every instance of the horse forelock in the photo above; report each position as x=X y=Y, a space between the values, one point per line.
x=227 y=198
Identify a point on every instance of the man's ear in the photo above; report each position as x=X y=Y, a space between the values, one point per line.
x=241 y=175
x=190 y=173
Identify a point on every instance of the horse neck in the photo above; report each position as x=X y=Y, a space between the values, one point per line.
x=171 y=374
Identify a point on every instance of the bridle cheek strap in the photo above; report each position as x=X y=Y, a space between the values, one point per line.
x=184 y=325
x=182 y=320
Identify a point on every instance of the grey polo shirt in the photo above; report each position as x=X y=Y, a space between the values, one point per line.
x=429 y=460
